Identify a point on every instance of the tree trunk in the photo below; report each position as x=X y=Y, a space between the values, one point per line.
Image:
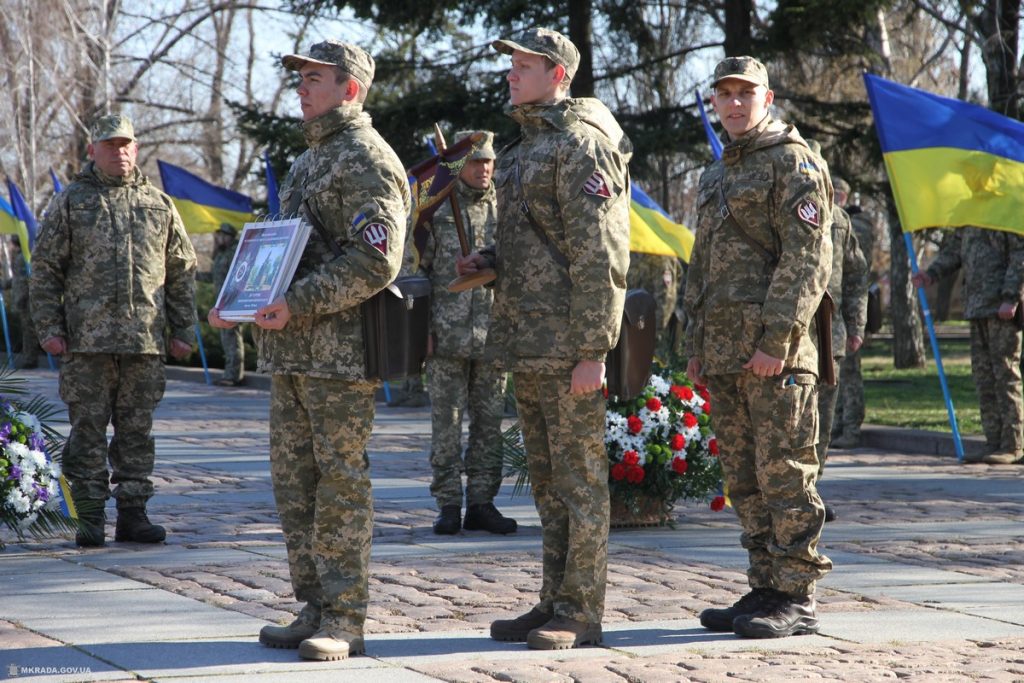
x=739 y=37
x=908 y=339
x=580 y=31
x=998 y=24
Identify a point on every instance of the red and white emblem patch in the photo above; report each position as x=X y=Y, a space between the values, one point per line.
x=376 y=235
x=808 y=213
x=596 y=186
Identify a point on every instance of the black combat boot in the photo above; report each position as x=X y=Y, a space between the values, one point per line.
x=830 y=514
x=91 y=521
x=721 y=619
x=133 y=525
x=486 y=517
x=788 y=615
x=449 y=521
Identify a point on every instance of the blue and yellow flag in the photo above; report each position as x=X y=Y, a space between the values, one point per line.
x=651 y=231
x=23 y=214
x=716 y=144
x=11 y=225
x=273 y=201
x=950 y=163
x=204 y=206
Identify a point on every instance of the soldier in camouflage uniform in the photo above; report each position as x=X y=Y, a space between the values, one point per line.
x=759 y=268
x=993 y=264
x=113 y=271
x=225 y=242
x=19 y=302
x=457 y=374
x=352 y=184
x=660 y=276
x=849 y=412
x=561 y=252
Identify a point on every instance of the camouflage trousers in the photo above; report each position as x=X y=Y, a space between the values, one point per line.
x=29 y=340
x=995 y=366
x=827 y=398
x=231 y=341
x=102 y=389
x=849 y=405
x=564 y=438
x=321 y=475
x=455 y=384
x=767 y=429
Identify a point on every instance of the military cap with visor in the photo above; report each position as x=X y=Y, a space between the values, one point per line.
x=741 y=68
x=112 y=127
x=484 y=148
x=350 y=58
x=546 y=43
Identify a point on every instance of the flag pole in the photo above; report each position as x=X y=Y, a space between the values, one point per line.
x=202 y=354
x=957 y=443
x=7 y=332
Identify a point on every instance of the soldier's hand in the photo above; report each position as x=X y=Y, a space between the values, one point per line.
x=695 y=371
x=763 y=365
x=853 y=344
x=588 y=375
x=213 y=317
x=1007 y=310
x=273 y=316
x=55 y=346
x=922 y=279
x=470 y=263
x=180 y=349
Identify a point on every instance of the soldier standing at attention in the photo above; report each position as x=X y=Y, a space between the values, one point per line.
x=561 y=252
x=19 y=294
x=993 y=263
x=759 y=268
x=352 y=184
x=112 y=272
x=225 y=241
x=457 y=374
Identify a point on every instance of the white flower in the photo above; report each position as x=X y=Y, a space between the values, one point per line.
x=29 y=420
x=18 y=452
x=26 y=483
x=18 y=501
x=37 y=458
x=660 y=385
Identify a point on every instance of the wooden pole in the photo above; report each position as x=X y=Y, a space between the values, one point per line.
x=460 y=228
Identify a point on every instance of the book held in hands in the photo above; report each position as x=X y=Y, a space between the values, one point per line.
x=265 y=261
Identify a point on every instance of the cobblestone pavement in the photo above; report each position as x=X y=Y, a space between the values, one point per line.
x=929 y=584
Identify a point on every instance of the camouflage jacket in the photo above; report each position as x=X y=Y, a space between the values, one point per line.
x=864 y=229
x=354 y=184
x=660 y=276
x=459 y=320
x=993 y=263
x=222 y=264
x=848 y=284
x=570 y=167
x=113 y=268
x=738 y=299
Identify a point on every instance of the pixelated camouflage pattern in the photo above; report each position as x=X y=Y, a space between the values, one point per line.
x=848 y=284
x=113 y=267
x=849 y=407
x=351 y=179
x=459 y=385
x=231 y=341
x=736 y=301
x=100 y=389
x=993 y=265
x=458 y=320
x=995 y=367
x=564 y=438
x=864 y=227
x=318 y=433
x=20 y=281
x=766 y=430
x=659 y=275
x=547 y=318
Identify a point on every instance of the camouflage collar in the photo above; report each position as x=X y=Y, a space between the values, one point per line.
x=334 y=121
x=94 y=175
x=768 y=133
x=473 y=194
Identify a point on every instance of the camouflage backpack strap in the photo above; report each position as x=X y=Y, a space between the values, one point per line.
x=557 y=255
x=730 y=220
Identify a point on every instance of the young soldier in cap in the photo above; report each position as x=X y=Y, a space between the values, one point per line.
x=225 y=242
x=561 y=252
x=759 y=268
x=352 y=184
x=112 y=273
x=457 y=373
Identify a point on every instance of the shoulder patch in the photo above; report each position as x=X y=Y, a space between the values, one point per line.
x=376 y=235
x=597 y=186
x=808 y=212
x=807 y=167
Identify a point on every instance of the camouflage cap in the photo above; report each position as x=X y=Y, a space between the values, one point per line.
x=485 y=148
x=351 y=58
x=840 y=185
x=228 y=229
x=744 y=68
x=545 y=42
x=110 y=127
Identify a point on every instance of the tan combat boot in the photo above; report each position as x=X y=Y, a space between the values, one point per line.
x=328 y=645
x=516 y=630
x=289 y=637
x=562 y=633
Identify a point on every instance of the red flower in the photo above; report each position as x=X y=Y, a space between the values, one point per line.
x=618 y=471
x=604 y=391
x=682 y=393
x=704 y=394
x=677 y=442
x=707 y=407
x=653 y=404
x=631 y=458
x=690 y=420
x=635 y=424
x=718 y=503
x=635 y=474
x=713 y=447
x=679 y=465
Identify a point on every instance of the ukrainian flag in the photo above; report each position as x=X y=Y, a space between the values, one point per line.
x=204 y=206
x=950 y=163
x=651 y=231
x=11 y=225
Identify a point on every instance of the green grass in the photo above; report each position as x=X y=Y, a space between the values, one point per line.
x=913 y=397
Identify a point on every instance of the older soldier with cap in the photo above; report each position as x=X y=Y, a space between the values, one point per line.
x=113 y=273
x=759 y=268
x=352 y=188
x=457 y=374
x=225 y=242
x=561 y=252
